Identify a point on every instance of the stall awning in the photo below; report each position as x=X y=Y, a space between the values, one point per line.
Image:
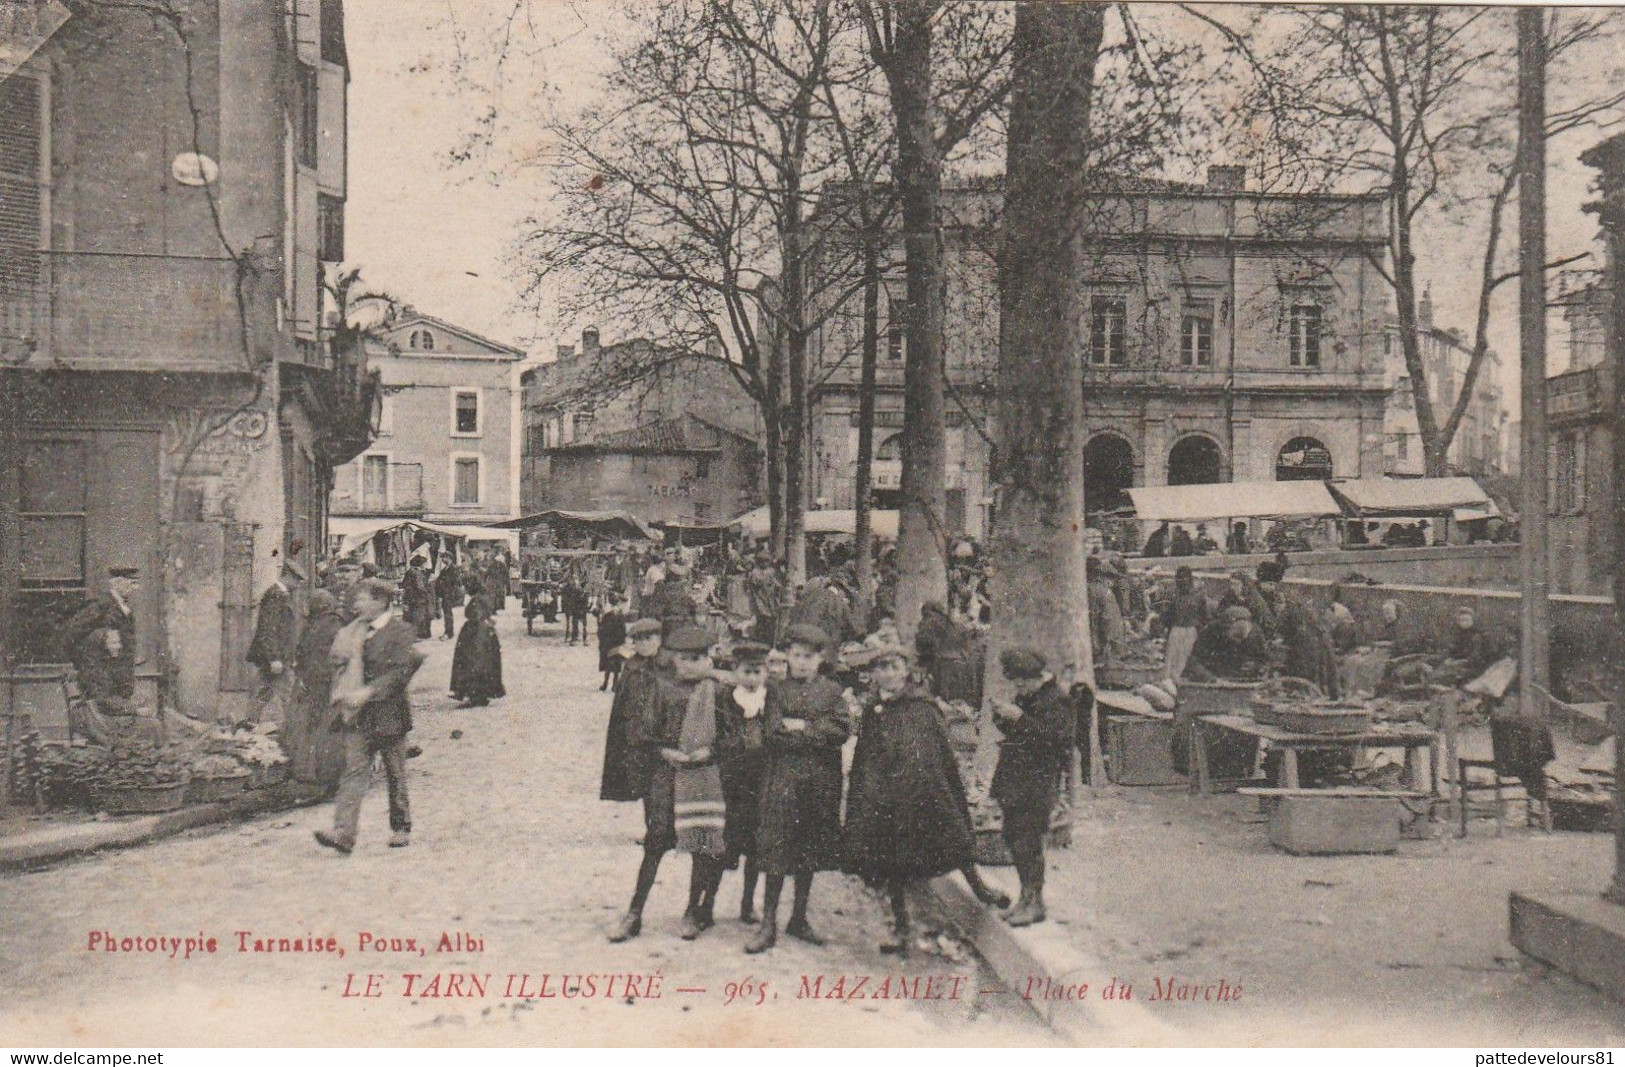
x=884 y=523
x=1233 y=500
x=609 y=523
x=358 y=531
x=1409 y=496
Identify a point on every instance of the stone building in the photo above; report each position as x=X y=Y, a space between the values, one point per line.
x=635 y=393
x=1229 y=336
x=448 y=429
x=171 y=394
x=1479 y=446
x=1579 y=479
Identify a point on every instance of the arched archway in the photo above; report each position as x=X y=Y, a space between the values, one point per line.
x=1303 y=459
x=1195 y=460
x=890 y=449
x=1108 y=470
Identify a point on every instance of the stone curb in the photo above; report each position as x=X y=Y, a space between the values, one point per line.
x=1028 y=956
x=53 y=844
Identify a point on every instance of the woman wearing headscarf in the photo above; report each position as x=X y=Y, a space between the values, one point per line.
x=320 y=758
x=476 y=664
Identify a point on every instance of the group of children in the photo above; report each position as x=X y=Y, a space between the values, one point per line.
x=738 y=761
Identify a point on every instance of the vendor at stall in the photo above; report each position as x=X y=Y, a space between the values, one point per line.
x=1231 y=649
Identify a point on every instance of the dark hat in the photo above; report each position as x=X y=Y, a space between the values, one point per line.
x=1237 y=613
x=124 y=572
x=749 y=654
x=377 y=588
x=688 y=639
x=811 y=636
x=643 y=627
x=1021 y=663
x=1271 y=571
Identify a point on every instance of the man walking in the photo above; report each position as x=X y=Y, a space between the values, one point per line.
x=377 y=717
x=276 y=636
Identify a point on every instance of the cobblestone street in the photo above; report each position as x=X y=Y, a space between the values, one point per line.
x=511 y=846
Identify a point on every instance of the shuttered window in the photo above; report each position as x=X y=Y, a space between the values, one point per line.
x=21 y=147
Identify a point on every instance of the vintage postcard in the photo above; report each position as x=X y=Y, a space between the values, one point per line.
x=810 y=523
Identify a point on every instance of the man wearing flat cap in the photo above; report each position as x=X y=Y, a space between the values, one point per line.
x=1038 y=729
x=276 y=635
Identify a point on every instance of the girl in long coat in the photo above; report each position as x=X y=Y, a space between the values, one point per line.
x=907 y=818
x=800 y=828
x=476 y=664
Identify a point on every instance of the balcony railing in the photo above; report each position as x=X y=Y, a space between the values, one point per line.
x=116 y=311
x=403 y=494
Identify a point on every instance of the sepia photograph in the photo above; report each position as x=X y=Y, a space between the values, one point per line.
x=701 y=524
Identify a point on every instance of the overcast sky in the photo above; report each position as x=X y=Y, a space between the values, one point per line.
x=437 y=233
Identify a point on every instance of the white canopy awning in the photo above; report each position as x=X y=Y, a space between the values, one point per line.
x=884 y=523
x=1410 y=496
x=358 y=531
x=1233 y=500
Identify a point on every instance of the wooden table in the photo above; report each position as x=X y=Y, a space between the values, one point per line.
x=1408 y=737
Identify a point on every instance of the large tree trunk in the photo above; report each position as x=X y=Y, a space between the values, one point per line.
x=922 y=550
x=864 y=525
x=796 y=429
x=1040 y=598
x=775 y=479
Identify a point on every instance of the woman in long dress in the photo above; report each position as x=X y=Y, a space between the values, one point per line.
x=476 y=665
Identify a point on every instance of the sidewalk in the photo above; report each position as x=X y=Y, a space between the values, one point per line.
x=36 y=842
x=1172 y=893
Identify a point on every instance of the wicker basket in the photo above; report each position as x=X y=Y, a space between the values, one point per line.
x=141 y=799
x=265 y=777
x=213 y=790
x=1329 y=720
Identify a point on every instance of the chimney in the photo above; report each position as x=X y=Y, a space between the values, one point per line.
x=1424 y=309
x=567 y=352
x=589 y=343
x=1226 y=178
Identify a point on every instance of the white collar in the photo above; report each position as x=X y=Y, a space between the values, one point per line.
x=751 y=702
x=381 y=621
x=123 y=605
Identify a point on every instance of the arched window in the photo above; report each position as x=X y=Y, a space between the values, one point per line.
x=428 y=341
x=1303 y=459
x=1108 y=470
x=1195 y=460
x=416 y=340
x=890 y=449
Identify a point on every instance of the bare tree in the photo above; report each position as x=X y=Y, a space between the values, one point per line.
x=929 y=124
x=1038 y=551
x=1415 y=101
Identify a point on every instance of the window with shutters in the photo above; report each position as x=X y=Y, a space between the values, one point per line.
x=22 y=200
x=306 y=108
x=1196 y=335
x=465 y=474
x=52 y=502
x=375 y=483
x=896 y=338
x=330 y=228
x=332 y=29
x=1303 y=335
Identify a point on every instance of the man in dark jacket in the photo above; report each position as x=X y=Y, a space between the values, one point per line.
x=1230 y=649
x=276 y=635
x=672 y=601
x=318 y=754
x=611 y=636
x=448 y=589
x=417 y=595
x=377 y=719
x=1038 y=731
x=574 y=599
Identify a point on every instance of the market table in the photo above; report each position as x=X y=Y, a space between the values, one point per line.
x=1406 y=736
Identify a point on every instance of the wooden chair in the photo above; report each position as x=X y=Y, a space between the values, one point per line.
x=1466 y=787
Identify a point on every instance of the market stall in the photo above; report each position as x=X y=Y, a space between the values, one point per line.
x=389 y=543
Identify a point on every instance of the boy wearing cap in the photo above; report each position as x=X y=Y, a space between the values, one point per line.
x=741 y=717
x=800 y=826
x=683 y=806
x=1038 y=730
x=625 y=773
